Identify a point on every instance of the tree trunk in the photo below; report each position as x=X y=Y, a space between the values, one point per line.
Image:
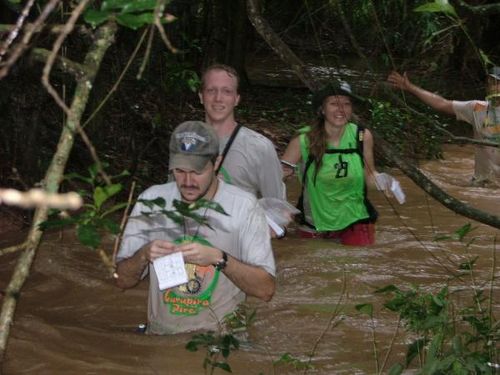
x=53 y=177
x=276 y=43
x=284 y=52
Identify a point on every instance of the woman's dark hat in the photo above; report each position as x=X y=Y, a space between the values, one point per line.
x=333 y=89
x=495 y=72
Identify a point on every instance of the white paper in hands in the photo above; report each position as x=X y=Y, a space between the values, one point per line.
x=279 y=213
x=170 y=270
x=388 y=183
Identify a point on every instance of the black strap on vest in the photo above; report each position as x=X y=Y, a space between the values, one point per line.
x=372 y=212
x=228 y=146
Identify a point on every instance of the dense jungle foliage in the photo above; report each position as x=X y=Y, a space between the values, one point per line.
x=442 y=51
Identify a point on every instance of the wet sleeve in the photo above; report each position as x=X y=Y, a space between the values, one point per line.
x=255 y=241
x=270 y=174
x=134 y=236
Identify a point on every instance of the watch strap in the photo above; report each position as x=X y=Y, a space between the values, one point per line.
x=221 y=264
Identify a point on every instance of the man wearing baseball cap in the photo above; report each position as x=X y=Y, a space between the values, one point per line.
x=483 y=115
x=226 y=259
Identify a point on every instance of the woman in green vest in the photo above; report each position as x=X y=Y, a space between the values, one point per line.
x=335 y=158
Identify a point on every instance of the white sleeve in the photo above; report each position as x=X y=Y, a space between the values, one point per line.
x=255 y=241
x=270 y=174
x=464 y=110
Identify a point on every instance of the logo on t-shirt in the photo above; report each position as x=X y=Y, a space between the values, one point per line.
x=190 y=298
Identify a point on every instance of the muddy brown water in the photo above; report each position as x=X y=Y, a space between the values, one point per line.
x=71 y=319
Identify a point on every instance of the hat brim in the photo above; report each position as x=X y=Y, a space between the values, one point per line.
x=320 y=96
x=495 y=76
x=195 y=163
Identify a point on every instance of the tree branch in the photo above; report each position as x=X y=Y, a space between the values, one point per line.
x=67 y=65
x=432 y=189
x=53 y=176
x=276 y=43
x=23 y=44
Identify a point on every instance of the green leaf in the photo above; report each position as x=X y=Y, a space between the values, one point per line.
x=463 y=231
x=108 y=225
x=56 y=223
x=437 y=6
x=76 y=176
x=396 y=369
x=95 y=17
x=414 y=349
x=222 y=365
x=102 y=194
x=192 y=346
x=175 y=217
x=87 y=234
x=365 y=308
x=116 y=207
x=387 y=289
x=204 y=203
x=151 y=203
x=139 y=6
x=115 y=4
x=133 y=21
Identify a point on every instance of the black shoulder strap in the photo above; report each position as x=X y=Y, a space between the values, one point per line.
x=359 y=149
x=228 y=146
x=360 y=136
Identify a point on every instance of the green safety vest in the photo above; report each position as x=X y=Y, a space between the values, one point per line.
x=337 y=195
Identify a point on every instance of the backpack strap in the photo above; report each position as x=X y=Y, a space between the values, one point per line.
x=228 y=146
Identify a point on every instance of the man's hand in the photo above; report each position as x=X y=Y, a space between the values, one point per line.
x=399 y=81
x=157 y=249
x=199 y=254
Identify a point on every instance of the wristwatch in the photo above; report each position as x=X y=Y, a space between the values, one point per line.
x=221 y=264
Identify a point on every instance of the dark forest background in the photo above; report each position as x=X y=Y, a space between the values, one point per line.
x=158 y=91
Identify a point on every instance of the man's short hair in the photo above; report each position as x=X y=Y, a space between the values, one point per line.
x=192 y=145
x=226 y=68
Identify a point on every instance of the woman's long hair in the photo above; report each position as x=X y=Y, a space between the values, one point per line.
x=317 y=142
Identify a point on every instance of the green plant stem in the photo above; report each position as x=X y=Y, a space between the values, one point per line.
x=391 y=345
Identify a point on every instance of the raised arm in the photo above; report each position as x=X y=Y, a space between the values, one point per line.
x=437 y=102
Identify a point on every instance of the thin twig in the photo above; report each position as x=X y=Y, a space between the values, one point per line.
x=23 y=44
x=118 y=81
x=123 y=222
x=68 y=27
x=68 y=66
x=13 y=249
x=391 y=345
x=147 y=53
x=492 y=278
x=330 y=322
x=160 y=6
x=15 y=31
x=93 y=153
